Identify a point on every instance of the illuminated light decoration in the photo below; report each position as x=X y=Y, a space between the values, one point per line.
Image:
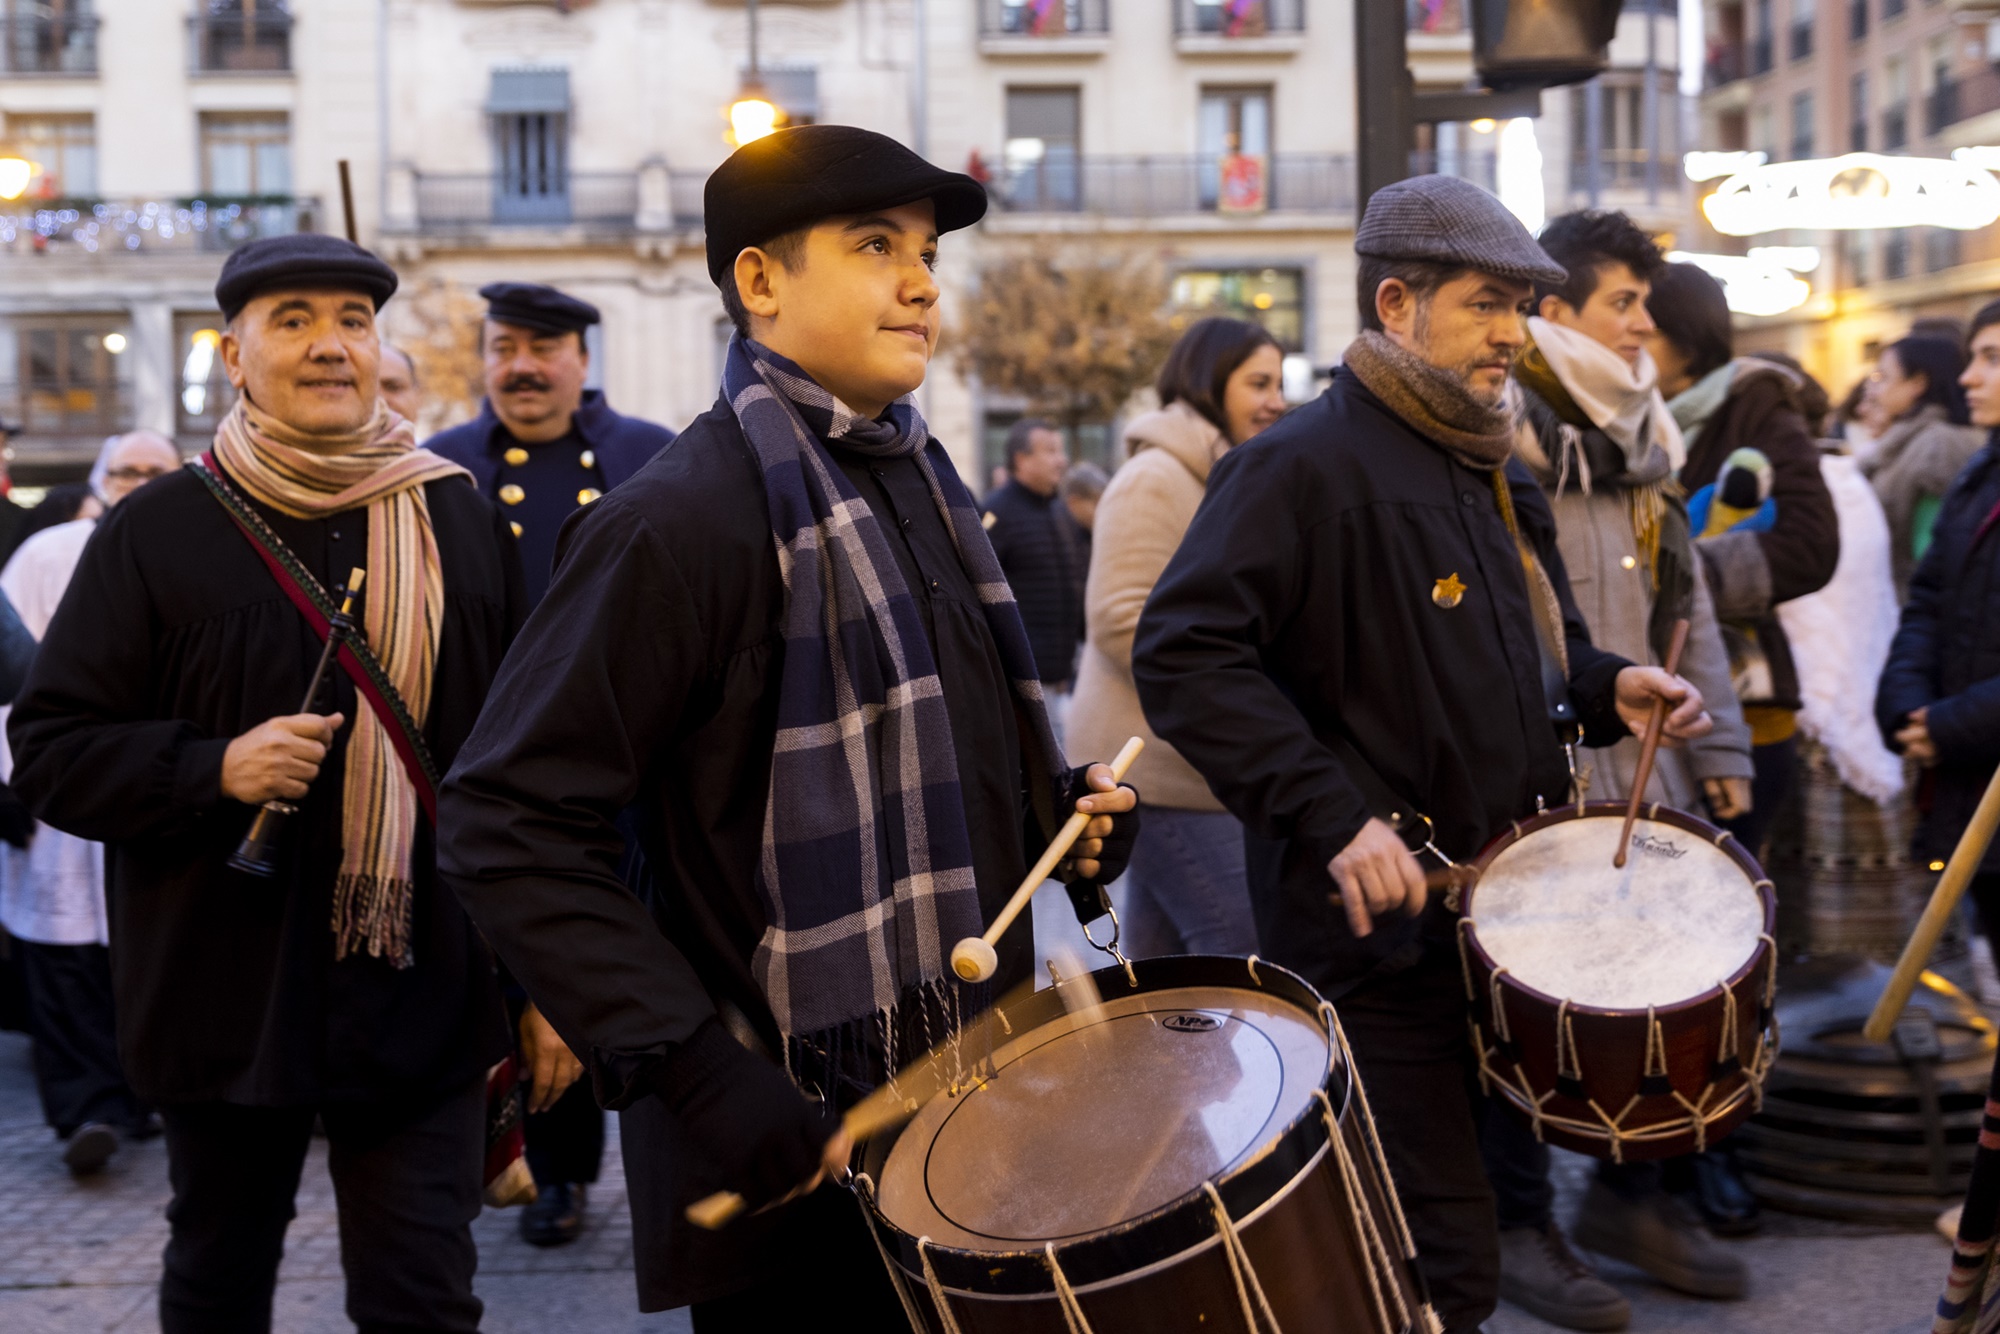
x=1707 y=166
x=114 y=343
x=1761 y=282
x=15 y=173
x=1517 y=174
x=1484 y=125
x=1857 y=191
x=1984 y=156
x=751 y=117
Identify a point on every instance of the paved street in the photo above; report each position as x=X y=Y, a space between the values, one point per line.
x=79 y=1258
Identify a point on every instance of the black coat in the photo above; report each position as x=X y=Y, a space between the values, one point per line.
x=173 y=638
x=1044 y=554
x=1946 y=656
x=1300 y=616
x=648 y=678
x=622 y=444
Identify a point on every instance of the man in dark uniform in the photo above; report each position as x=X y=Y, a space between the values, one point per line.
x=787 y=644
x=1368 y=614
x=160 y=715
x=1043 y=551
x=542 y=444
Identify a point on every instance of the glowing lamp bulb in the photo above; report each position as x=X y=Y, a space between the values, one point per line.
x=15 y=173
x=1484 y=125
x=751 y=118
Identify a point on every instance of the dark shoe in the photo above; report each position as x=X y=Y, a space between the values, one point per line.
x=1541 y=1274
x=556 y=1216
x=146 y=1127
x=1718 y=1191
x=90 y=1148
x=1662 y=1235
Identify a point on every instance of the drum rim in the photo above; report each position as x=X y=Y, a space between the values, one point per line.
x=1181 y=1224
x=1658 y=813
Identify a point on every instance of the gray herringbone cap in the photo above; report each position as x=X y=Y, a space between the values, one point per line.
x=1451 y=221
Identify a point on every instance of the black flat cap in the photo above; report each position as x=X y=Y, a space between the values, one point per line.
x=306 y=259
x=539 y=307
x=1451 y=221
x=793 y=178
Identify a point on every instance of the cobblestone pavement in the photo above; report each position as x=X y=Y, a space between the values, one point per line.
x=83 y=1257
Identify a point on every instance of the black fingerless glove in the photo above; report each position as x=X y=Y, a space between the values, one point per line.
x=762 y=1136
x=1088 y=896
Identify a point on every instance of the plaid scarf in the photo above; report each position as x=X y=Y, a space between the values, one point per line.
x=315 y=477
x=866 y=873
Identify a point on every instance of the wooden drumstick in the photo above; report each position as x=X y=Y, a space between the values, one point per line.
x=1439 y=878
x=1650 y=746
x=1958 y=873
x=884 y=1109
x=973 y=958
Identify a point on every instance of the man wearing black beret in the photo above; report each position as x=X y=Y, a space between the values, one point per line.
x=162 y=712
x=543 y=445
x=787 y=641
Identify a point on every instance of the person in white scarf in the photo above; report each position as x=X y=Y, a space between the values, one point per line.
x=52 y=889
x=1590 y=423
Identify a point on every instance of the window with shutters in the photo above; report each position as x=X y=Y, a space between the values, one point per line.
x=530 y=111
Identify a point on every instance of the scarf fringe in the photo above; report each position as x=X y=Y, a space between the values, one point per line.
x=372 y=912
x=844 y=1063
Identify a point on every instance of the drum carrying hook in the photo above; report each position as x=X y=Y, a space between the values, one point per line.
x=1452 y=892
x=1579 y=775
x=1111 y=946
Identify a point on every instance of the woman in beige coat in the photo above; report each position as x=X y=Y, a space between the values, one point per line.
x=1185 y=890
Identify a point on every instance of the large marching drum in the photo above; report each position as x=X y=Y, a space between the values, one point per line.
x=1626 y=1013
x=1186 y=1150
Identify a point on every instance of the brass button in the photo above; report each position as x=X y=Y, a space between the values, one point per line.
x=1629 y=562
x=515 y=457
x=588 y=494
x=512 y=495
x=515 y=526
x=588 y=458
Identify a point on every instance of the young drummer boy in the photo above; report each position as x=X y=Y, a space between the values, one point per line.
x=788 y=641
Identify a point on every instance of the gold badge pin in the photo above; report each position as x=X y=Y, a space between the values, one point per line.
x=515 y=457
x=588 y=458
x=588 y=494
x=516 y=527
x=1449 y=591
x=511 y=494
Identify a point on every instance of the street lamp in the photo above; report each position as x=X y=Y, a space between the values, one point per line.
x=752 y=115
x=16 y=170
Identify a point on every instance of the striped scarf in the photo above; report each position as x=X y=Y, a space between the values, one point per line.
x=316 y=477
x=866 y=873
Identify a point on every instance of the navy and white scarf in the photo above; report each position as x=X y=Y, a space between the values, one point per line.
x=866 y=872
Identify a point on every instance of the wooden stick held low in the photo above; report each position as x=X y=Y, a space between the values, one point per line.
x=1958 y=873
x=973 y=958
x=1650 y=746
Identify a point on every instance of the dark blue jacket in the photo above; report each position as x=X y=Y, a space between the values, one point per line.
x=1946 y=656
x=1042 y=551
x=622 y=444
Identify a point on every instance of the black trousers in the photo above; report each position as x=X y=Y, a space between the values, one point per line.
x=566 y=1143
x=407 y=1182
x=1518 y=1165
x=833 y=1278
x=1408 y=1033
x=75 y=1044
x=1777 y=769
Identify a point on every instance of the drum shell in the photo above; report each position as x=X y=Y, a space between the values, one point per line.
x=1615 y=1048
x=1293 y=1213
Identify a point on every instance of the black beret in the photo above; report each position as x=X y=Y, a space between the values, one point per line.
x=794 y=178
x=304 y=259
x=539 y=307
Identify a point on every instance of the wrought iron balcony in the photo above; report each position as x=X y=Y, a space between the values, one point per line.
x=1238 y=18
x=150 y=226
x=604 y=201
x=1044 y=18
x=1148 y=187
x=1724 y=64
x=257 y=40
x=1962 y=98
x=49 y=43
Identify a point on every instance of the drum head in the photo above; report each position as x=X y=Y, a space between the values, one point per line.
x=1681 y=918
x=1103 y=1116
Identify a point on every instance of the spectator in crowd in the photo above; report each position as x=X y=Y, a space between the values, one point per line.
x=1041 y=551
x=1923 y=442
x=1185 y=888
x=59 y=505
x=1594 y=430
x=11 y=514
x=1939 y=699
x=1814 y=403
x=400 y=387
x=52 y=883
x=1082 y=487
x=1766 y=531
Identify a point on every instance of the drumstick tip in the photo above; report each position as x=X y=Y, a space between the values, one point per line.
x=974 y=960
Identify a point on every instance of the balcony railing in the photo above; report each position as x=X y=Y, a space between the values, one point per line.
x=1623 y=169
x=599 y=201
x=93 y=226
x=257 y=41
x=1962 y=98
x=1143 y=187
x=52 y=413
x=1481 y=166
x=1802 y=40
x=1238 y=18
x=1438 y=18
x=1044 y=18
x=49 y=44
x=1724 y=64
x=1895 y=129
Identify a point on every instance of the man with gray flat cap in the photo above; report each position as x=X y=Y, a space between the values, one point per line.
x=1370 y=614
